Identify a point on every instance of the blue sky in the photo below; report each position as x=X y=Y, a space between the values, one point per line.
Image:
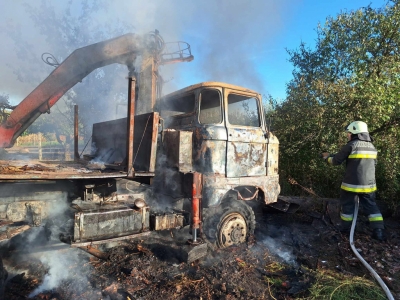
x=235 y=41
x=275 y=68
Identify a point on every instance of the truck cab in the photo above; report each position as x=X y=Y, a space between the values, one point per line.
x=230 y=139
x=223 y=127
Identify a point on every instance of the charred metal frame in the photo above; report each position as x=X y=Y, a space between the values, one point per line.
x=131 y=124
x=196 y=205
x=76 y=133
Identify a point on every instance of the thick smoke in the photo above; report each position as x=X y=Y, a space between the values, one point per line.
x=228 y=38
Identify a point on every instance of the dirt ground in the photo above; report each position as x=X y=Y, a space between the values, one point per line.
x=278 y=262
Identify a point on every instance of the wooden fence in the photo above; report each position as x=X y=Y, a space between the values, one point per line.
x=36 y=146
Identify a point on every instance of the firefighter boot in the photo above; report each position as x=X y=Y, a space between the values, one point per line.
x=378 y=234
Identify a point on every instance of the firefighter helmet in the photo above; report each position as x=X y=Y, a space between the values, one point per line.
x=356 y=127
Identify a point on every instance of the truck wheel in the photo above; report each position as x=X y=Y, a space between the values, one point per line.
x=229 y=224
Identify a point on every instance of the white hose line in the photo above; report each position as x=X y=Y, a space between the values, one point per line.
x=372 y=271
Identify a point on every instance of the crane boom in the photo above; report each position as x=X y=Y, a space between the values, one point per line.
x=123 y=50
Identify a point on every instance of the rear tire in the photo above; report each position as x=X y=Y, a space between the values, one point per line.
x=229 y=224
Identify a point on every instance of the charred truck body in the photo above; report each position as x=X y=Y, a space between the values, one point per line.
x=201 y=156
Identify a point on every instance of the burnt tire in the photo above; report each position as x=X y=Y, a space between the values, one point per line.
x=229 y=224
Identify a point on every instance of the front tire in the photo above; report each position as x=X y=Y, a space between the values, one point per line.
x=229 y=224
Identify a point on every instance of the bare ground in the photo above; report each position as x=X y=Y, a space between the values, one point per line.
x=278 y=262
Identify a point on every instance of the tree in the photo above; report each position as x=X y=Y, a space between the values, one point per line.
x=65 y=28
x=5 y=107
x=352 y=74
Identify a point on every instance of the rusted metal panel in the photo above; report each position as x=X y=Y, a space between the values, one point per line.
x=178 y=149
x=210 y=157
x=111 y=148
x=154 y=140
x=51 y=176
x=246 y=159
x=273 y=158
x=31 y=211
x=145 y=143
x=121 y=238
x=212 y=84
x=148 y=75
x=130 y=124
x=246 y=146
x=109 y=223
x=166 y=221
x=12 y=231
x=209 y=152
x=216 y=187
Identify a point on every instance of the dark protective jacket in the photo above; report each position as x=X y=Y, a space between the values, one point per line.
x=360 y=156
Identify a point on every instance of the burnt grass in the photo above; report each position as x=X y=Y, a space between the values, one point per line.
x=278 y=262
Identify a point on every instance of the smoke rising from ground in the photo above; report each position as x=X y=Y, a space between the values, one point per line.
x=61 y=267
x=63 y=264
x=278 y=249
x=279 y=242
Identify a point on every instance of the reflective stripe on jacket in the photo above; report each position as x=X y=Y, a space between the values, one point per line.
x=360 y=157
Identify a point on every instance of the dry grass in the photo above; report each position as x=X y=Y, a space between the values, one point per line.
x=331 y=285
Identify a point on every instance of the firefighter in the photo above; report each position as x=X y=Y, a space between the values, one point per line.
x=359 y=180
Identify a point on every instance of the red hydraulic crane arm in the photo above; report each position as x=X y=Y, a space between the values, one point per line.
x=72 y=70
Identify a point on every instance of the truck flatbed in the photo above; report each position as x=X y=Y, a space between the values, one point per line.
x=36 y=170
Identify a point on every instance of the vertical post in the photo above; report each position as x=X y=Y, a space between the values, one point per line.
x=196 y=196
x=67 y=154
x=76 y=133
x=40 y=146
x=131 y=124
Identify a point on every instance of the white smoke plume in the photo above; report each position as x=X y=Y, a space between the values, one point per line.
x=277 y=248
x=279 y=241
x=61 y=267
x=63 y=263
x=228 y=37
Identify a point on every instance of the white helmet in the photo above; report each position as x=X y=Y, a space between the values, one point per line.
x=356 y=127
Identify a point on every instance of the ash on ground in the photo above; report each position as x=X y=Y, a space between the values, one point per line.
x=278 y=262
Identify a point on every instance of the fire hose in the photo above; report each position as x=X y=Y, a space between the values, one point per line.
x=370 y=269
x=353 y=248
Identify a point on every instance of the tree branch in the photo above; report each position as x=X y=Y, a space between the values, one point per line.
x=385 y=126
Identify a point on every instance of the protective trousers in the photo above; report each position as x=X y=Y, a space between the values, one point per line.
x=367 y=201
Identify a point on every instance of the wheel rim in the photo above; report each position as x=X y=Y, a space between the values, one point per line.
x=233 y=230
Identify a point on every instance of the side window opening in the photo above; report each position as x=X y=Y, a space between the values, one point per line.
x=243 y=110
x=210 y=107
x=178 y=106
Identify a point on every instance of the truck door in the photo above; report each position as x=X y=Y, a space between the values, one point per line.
x=246 y=144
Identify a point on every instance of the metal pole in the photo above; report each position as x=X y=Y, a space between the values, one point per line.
x=76 y=133
x=196 y=195
x=40 y=146
x=131 y=124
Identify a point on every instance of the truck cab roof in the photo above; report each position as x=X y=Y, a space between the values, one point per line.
x=210 y=84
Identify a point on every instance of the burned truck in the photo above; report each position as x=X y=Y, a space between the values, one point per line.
x=201 y=156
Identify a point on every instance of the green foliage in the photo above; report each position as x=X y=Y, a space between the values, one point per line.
x=4 y=107
x=352 y=74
